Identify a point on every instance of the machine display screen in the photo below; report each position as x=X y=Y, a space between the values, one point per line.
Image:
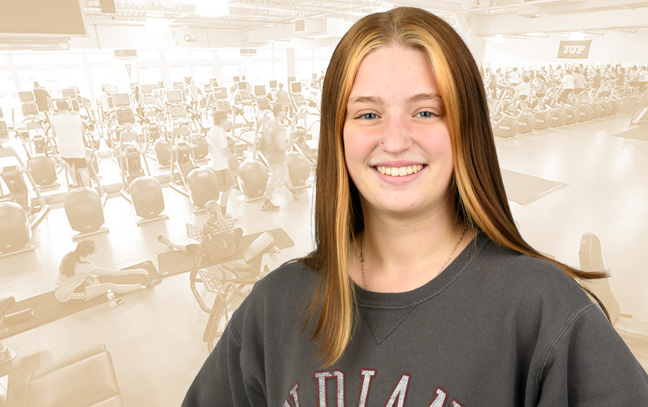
x=295 y=87
x=29 y=109
x=121 y=99
x=146 y=88
x=26 y=96
x=174 y=96
x=220 y=93
x=125 y=116
x=69 y=93
x=178 y=112
x=259 y=90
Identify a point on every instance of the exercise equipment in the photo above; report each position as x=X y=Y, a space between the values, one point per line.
x=253 y=179
x=43 y=169
x=162 y=152
x=507 y=127
x=15 y=232
x=7 y=355
x=203 y=186
x=19 y=192
x=526 y=123
x=182 y=162
x=147 y=198
x=225 y=279
x=543 y=120
x=84 y=211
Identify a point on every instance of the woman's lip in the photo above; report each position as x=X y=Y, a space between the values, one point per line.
x=398 y=163
x=399 y=179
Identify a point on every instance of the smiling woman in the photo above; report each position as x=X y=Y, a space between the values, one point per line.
x=397 y=143
x=421 y=287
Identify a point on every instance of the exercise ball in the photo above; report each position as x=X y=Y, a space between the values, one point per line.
x=146 y=193
x=203 y=185
x=15 y=231
x=298 y=169
x=43 y=170
x=162 y=152
x=84 y=210
x=199 y=146
x=253 y=179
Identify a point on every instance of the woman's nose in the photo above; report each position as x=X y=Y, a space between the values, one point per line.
x=396 y=135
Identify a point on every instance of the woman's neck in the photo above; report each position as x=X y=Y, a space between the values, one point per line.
x=403 y=254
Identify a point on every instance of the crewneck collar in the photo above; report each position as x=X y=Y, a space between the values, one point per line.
x=370 y=299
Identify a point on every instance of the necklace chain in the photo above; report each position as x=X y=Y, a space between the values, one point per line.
x=361 y=257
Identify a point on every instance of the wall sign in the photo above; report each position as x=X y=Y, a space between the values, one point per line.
x=574 y=49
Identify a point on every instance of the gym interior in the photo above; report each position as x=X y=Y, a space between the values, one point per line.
x=567 y=85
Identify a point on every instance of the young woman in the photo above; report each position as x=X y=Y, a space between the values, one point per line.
x=421 y=291
x=80 y=280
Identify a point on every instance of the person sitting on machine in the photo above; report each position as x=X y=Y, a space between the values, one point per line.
x=69 y=129
x=80 y=280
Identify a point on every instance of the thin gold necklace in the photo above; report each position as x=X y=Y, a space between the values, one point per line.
x=364 y=279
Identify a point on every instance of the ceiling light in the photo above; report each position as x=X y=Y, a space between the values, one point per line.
x=212 y=8
x=157 y=26
x=576 y=36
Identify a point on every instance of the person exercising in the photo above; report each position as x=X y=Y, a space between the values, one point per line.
x=68 y=129
x=80 y=280
x=275 y=146
x=221 y=155
x=42 y=97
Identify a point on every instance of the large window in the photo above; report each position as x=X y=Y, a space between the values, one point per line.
x=149 y=75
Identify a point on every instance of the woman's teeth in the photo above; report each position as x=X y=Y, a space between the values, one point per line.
x=399 y=171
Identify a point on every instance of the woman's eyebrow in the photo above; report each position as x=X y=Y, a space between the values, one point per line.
x=366 y=99
x=378 y=100
x=424 y=96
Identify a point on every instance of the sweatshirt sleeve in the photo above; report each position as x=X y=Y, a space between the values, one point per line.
x=589 y=364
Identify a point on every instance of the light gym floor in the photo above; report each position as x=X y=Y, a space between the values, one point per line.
x=593 y=182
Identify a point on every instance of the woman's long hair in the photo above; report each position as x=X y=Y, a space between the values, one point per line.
x=70 y=260
x=480 y=199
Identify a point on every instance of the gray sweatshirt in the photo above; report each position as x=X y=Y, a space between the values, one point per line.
x=495 y=328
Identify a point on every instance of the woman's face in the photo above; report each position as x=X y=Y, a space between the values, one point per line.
x=396 y=138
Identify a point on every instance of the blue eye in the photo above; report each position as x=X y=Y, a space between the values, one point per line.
x=368 y=116
x=426 y=115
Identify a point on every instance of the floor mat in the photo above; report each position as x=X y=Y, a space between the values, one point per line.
x=638 y=133
x=524 y=189
x=174 y=262
x=46 y=308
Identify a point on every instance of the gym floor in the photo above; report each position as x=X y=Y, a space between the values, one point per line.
x=155 y=337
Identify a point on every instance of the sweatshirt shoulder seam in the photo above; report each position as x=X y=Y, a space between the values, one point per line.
x=558 y=337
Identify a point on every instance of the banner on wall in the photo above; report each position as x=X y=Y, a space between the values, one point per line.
x=574 y=49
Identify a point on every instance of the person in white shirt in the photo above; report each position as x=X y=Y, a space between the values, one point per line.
x=69 y=129
x=221 y=155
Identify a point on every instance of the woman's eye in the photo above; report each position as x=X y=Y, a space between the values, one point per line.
x=367 y=116
x=425 y=115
